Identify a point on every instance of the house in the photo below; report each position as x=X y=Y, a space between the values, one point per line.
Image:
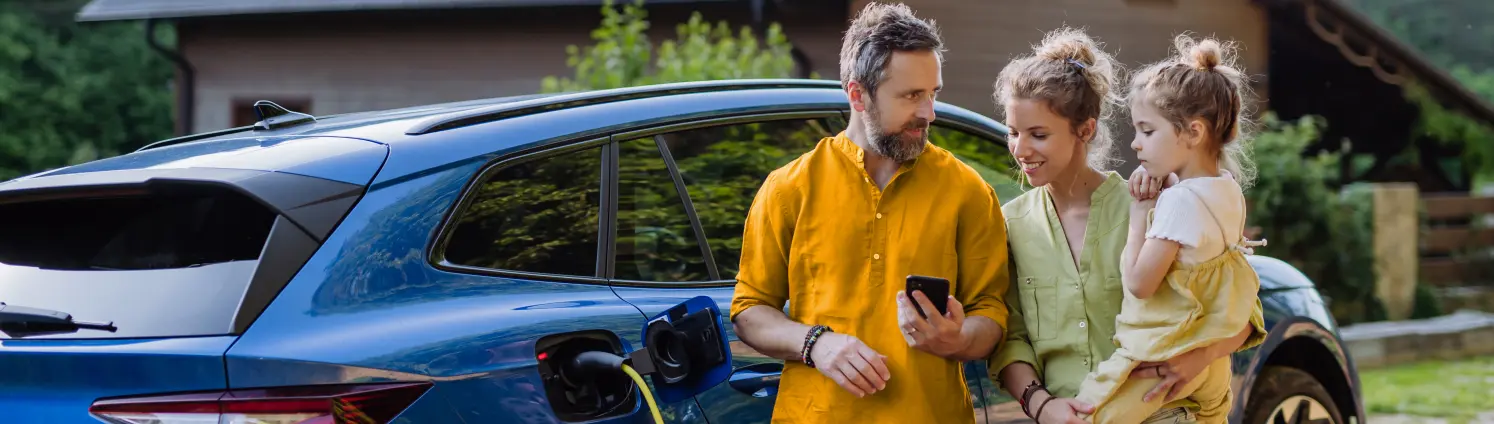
x=333 y=56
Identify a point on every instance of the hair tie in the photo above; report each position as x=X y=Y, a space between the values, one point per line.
x=1076 y=63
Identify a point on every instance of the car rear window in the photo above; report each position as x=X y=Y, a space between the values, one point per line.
x=157 y=264
x=133 y=232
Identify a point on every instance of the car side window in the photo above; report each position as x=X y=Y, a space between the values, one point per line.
x=988 y=157
x=655 y=239
x=537 y=216
x=723 y=167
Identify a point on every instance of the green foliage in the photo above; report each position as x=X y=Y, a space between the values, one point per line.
x=1426 y=304
x=622 y=55
x=1448 y=32
x=71 y=93
x=1458 y=390
x=1324 y=233
x=992 y=161
x=1454 y=129
x=1455 y=35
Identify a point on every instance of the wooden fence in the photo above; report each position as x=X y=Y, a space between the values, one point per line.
x=1454 y=243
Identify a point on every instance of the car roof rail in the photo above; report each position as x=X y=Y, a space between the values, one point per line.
x=577 y=99
x=278 y=117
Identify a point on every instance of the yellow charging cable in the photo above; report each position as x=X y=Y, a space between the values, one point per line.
x=647 y=395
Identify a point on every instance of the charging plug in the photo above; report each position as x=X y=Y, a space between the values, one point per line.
x=587 y=365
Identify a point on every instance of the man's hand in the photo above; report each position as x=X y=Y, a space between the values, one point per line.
x=850 y=363
x=1144 y=186
x=939 y=335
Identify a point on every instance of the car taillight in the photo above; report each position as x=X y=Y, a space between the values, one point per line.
x=341 y=404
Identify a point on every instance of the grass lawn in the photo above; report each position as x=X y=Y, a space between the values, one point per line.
x=1457 y=390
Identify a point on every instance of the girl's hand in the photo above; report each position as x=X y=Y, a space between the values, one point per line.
x=1175 y=373
x=1143 y=186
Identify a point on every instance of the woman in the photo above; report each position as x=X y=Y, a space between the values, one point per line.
x=1067 y=235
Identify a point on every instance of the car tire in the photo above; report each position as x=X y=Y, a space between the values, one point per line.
x=1282 y=394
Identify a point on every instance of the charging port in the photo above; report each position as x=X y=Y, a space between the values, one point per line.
x=574 y=397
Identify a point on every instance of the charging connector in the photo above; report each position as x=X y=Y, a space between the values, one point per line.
x=588 y=365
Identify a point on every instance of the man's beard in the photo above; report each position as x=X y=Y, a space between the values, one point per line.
x=899 y=146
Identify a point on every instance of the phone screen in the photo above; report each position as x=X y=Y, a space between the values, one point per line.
x=935 y=288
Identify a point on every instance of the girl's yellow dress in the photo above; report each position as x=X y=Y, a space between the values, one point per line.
x=1197 y=305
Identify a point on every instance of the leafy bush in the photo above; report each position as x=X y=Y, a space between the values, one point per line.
x=71 y=93
x=1321 y=231
x=622 y=55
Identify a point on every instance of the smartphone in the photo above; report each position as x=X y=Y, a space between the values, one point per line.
x=935 y=288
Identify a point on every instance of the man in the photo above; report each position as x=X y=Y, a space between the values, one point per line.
x=836 y=232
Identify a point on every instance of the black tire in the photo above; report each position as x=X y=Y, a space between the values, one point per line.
x=1280 y=395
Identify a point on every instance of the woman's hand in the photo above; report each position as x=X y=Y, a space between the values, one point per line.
x=1175 y=373
x=1059 y=410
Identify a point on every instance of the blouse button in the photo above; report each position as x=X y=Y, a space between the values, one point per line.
x=1081 y=324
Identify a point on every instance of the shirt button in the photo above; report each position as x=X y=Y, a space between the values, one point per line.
x=876 y=256
x=1076 y=285
x=1086 y=362
x=1029 y=280
x=1081 y=324
x=879 y=216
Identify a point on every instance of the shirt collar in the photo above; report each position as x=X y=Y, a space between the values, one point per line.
x=1113 y=184
x=847 y=147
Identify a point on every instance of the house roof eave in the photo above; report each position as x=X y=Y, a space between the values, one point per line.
x=119 y=10
x=1402 y=54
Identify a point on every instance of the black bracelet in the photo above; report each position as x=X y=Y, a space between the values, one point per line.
x=809 y=340
x=1026 y=399
x=1040 y=408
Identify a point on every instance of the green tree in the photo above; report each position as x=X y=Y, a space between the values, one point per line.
x=1307 y=222
x=722 y=167
x=622 y=55
x=71 y=93
x=1455 y=35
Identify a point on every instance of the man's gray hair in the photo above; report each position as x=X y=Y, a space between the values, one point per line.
x=878 y=31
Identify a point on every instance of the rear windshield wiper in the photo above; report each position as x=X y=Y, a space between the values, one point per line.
x=21 y=319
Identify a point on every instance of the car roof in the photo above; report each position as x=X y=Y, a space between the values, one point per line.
x=425 y=137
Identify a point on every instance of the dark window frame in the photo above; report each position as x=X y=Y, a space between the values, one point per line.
x=606 y=216
x=674 y=173
x=450 y=222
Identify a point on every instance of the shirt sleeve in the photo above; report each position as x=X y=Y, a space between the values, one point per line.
x=1016 y=348
x=763 y=275
x=981 y=246
x=1180 y=216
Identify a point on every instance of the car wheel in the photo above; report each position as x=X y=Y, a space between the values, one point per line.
x=1286 y=395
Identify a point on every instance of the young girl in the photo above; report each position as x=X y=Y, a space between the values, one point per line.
x=1187 y=283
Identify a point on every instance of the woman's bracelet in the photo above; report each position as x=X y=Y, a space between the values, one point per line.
x=1040 y=408
x=1026 y=399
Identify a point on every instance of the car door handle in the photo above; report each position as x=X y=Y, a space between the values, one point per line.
x=758 y=380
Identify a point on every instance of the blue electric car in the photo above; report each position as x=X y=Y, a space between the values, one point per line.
x=427 y=265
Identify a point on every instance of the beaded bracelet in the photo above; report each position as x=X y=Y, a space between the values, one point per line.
x=809 y=341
